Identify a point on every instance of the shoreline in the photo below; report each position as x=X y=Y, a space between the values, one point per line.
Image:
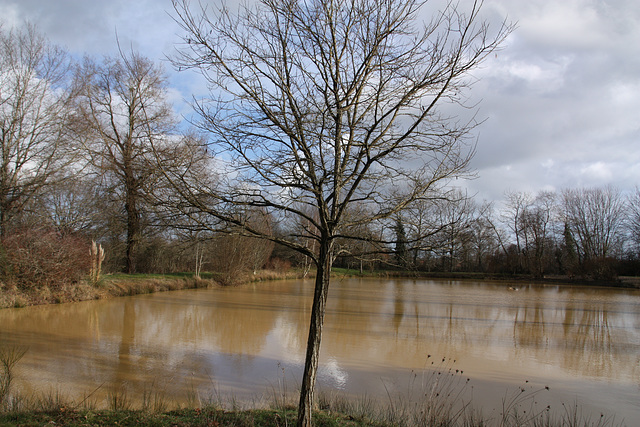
x=622 y=282
x=118 y=285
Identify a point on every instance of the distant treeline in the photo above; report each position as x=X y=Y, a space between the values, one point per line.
x=86 y=147
x=586 y=233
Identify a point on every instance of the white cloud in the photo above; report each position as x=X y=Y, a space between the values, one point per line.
x=561 y=97
x=598 y=171
x=568 y=23
x=10 y=15
x=564 y=88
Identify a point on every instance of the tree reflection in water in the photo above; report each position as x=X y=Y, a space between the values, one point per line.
x=585 y=341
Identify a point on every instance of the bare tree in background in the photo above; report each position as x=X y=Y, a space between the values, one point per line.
x=633 y=203
x=319 y=105
x=74 y=205
x=235 y=255
x=453 y=219
x=595 y=217
x=537 y=231
x=511 y=217
x=34 y=109
x=122 y=110
x=529 y=219
x=422 y=225
x=483 y=239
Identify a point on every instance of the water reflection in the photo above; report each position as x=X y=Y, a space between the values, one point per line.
x=248 y=338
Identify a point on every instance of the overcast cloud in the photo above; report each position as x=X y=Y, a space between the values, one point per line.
x=561 y=99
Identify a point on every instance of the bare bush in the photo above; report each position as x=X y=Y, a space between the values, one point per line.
x=279 y=265
x=234 y=257
x=9 y=357
x=33 y=259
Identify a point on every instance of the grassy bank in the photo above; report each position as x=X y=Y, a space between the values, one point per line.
x=117 y=285
x=108 y=287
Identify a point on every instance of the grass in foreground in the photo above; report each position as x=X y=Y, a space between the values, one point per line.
x=182 y=417
x=263 y=417
x=434 y=398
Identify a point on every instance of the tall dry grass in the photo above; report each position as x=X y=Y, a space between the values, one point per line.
x=107 y=287
x=432 y=403
x=9 y=357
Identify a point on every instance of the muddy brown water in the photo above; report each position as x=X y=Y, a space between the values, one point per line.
x=382 y=338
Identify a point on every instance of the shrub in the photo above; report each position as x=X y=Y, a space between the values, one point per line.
x=35 y=258
x=600 y=268
x=279 y=265
x=235 y=257
x=9 y=357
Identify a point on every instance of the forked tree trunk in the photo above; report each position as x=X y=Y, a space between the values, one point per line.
x=325 y=261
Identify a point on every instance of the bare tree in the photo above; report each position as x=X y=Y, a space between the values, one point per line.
x=502 y=234
x=454 y=217
x=511 y=217
x=535 y=230
x=595 y=218
x=422 y=222
x=483 y=238
x=122 y=110
x=362 y=249
x=34 y=109
x=633 y=203
x=70 y=206
x=529 y=220
x=319 y=105
x=235 y=255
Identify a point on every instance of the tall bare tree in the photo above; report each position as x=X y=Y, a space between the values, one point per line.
x=454 y=218
x=34 y=109
x=422 y=225
x=530 y=221
x=122 y=109
x=317 y=105
x=512 y=215
x=483 y=239
x=596 y=218
x=537 y=231
x=633 y=203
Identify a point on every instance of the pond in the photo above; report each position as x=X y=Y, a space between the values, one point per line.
x=380 y=335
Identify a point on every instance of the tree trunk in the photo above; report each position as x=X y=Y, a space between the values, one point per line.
x=133 y=225
x=3 y=222
x=325 y=262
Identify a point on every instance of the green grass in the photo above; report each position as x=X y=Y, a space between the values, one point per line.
x=213 y=416
x=181 y=417
x=339 y=271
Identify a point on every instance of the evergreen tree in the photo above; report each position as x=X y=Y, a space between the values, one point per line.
x=401 y=253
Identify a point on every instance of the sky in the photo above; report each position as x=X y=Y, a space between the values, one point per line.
x=560 y=101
